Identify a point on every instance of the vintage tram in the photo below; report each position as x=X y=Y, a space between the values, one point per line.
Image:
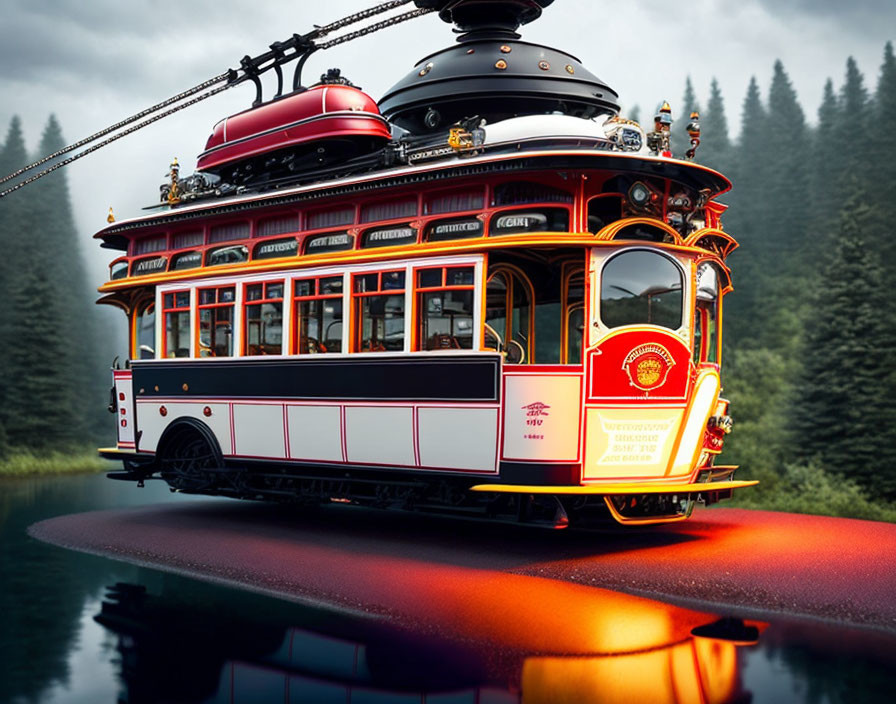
x=487 y=294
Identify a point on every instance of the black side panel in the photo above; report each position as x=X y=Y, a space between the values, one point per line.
x=538 y=474
x=418 y=378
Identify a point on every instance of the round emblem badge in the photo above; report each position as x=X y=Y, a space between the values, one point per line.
x=648 y=366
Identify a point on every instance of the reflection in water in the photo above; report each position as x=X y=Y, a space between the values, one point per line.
x=44 y=591
x=492 y=635
x=643 y=651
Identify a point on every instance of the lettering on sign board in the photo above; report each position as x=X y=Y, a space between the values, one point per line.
x=635 y=442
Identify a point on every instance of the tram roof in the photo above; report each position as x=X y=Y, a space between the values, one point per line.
x=685 y=172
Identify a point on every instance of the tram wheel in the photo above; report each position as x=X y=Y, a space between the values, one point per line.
x=188 y=460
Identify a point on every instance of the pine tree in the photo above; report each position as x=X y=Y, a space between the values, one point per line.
x=853 y=124
x=681 y=142
x=715 y=145
x=40 y=404
x=882 y=166
x=13 y=216
x=745 y=222
x=841 y=417
x=80 y=371
x=827 y=156
x=634 y=113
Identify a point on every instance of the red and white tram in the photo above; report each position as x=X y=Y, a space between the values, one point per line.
x=508 y=309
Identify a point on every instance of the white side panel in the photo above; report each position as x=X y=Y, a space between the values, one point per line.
x=124 y=395
x=541 y=417
x=315 y=433
x=258 y=430
x=152 y=423
x=458 y=438
x=377 y=435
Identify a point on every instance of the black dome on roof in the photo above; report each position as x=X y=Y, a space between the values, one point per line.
x=492 y=74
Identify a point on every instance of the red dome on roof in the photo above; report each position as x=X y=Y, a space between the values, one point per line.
x=320 y=118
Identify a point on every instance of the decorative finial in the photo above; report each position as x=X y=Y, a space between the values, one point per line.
x=658 y=141
x=173 y=190
x=694 y=134
x=110 y=218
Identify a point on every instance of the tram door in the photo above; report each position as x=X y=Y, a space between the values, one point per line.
x=535 y=317
x=508 y=314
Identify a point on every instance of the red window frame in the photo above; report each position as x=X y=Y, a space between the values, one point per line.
x=419 y=341
x=217 y=305
x=297 y=300
x=358 y=308
x=170 y=306
x=259 y=303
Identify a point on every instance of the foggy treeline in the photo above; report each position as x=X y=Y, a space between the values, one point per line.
x=809 y=353
x=51 y=379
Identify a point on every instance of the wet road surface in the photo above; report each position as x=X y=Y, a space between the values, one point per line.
x=427 y=569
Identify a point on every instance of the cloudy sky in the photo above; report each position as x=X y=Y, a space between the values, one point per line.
x=93 y=63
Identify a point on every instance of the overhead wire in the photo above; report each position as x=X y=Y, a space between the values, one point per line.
x=248 y=70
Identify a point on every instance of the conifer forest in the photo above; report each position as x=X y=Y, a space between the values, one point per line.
x=809 y=358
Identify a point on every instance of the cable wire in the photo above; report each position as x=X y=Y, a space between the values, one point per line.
x=232 y=78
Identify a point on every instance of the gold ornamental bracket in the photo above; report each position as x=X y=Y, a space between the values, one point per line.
x=460 y=139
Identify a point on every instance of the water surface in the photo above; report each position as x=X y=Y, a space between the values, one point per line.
x=79 y=628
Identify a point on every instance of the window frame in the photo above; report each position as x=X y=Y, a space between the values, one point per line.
x=514 y=271
x=357 y=328
x=244 y=314
x=418 y=338
x=296 y=300
x=597 y=288
x=166 y=311
x=289 y=276
x=200 y=306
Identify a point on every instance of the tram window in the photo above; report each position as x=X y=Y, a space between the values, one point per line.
x=176 y=309
x=508 y=301
x=445 y=308
x=118 y=270
x=264 y=318
x=318 y=315
x=522 y=192
x=145 y=332
x=389 y=236
x=227 y=255
x=602 y=211
x=454 y=229
x=332 y=242
x=391 y=210
x=454 y=202
x=640 y=286
x=216 y=321
x=271 y=249
x=575 y=317
x=518 y=221
x=277 y=226
x=706 y=342
x=187 y=260
x=379 y=316
x=148 y=265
